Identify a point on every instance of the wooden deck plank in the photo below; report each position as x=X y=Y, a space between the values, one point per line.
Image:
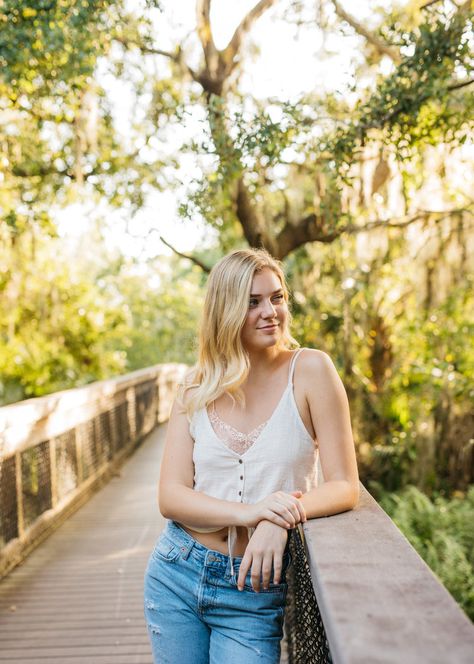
x=78 y=597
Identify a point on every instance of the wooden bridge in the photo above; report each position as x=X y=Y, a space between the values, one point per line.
x=77 y=599
x=73 y=558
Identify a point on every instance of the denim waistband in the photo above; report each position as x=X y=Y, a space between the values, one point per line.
x=187 y=543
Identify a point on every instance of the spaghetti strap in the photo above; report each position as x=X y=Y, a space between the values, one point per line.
x=292 y=366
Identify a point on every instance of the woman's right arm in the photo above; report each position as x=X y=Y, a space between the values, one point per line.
x=178 y=500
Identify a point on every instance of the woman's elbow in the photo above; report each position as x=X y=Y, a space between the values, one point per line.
x=354 y=495
x=170 y=499
x=164 y=504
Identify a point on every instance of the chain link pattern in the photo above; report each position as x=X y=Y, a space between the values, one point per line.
x=305 y=637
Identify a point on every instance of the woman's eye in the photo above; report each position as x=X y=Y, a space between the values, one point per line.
x=253 y=303
x=278 y=297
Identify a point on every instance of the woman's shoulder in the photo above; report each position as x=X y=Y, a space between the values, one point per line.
x=190 y=378
x=312 y=361
x=187 y=387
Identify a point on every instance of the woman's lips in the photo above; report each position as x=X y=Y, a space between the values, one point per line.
x=268 y=327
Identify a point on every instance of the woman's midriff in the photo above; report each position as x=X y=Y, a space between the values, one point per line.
x=218 y=541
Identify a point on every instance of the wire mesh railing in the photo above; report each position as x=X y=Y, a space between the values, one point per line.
x=54 y=448
x=305 y=640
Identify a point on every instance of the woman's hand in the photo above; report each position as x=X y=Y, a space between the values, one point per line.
x=281 y=508
x=264 y=552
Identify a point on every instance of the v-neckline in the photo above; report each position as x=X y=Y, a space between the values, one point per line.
x=267 y=422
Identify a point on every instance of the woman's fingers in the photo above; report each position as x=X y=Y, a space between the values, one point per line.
x=282 y=508
x=267 y=564
x=276 y=518
x=292 y=505
x=301 y=511
x=244 y=568
x=264 y=552
x=288 y=514
x=256 y=572
x=277 y=567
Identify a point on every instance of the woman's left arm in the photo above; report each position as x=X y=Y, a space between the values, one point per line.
x=329 y=410
x=330 y=416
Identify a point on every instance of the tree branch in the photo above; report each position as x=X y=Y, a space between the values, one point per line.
x=461 y=84
x=311 y=229
x=195 y=260
x=428 y=4
x=308 y=229
x=251 y=221
x=203 y=18
x=381 y=46
x=422 y=214
x=220 y=64
x=150 y=50
x=228 y=55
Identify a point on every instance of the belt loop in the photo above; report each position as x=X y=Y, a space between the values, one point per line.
x=186 y=550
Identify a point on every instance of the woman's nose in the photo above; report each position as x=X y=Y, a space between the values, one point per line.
x=268 y=309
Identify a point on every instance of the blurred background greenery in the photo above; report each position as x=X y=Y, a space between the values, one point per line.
x=360 y=181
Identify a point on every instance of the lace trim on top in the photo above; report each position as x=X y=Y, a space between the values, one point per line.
x=235 y=440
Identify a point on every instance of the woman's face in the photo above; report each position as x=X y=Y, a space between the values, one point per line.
x=267 y=313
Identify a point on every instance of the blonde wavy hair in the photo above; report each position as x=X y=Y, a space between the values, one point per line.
x=223 y=363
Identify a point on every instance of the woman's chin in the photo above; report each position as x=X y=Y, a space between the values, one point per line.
x=262 y=343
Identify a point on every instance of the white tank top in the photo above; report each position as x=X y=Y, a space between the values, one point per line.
x=283 y=457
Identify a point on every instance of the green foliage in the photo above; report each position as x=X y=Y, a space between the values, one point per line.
x=67 y=322
x=441 y=530
x=161 y=321
x=60 y=142
x=49 y=42
x=424 y=101
x=52 y=325
x=404 y=361
x=416 y=104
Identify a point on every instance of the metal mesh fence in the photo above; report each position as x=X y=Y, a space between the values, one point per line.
x=66 y=463
x=87 y=448
x=37 y=478
x=305 y=639
x=35 y=482
x=104 y=440
x=8 y=498
x=146 y=396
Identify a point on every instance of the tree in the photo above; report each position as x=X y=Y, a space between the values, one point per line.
x=49 y=88
x=420 y=102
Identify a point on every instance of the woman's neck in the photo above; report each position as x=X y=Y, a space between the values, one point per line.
x=264 y=361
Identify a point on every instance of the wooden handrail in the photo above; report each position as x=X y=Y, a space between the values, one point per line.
x=56 y=450
x=379 y=600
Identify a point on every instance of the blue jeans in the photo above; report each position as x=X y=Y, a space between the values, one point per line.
x=196 y=615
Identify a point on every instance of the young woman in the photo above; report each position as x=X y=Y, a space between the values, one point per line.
x=239 y=471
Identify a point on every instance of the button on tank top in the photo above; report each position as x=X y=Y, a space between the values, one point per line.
x=282 y=457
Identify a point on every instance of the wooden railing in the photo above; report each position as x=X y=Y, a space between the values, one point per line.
x=378 y=599
x=56 y=450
